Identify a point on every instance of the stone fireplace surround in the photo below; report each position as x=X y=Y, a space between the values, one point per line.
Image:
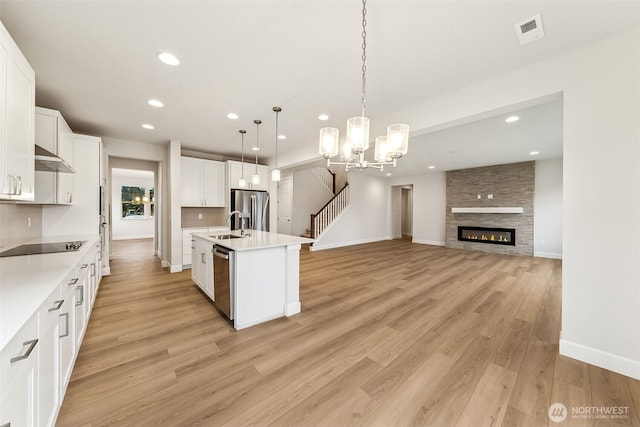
x=511 y=185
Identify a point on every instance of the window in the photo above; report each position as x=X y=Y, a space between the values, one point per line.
x=137 y=202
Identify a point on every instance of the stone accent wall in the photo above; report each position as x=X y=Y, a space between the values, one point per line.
x=511 y=185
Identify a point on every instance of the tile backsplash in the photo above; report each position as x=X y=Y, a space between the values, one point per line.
x=14 y=223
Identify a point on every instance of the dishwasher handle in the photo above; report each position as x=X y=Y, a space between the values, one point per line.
x=220 y=253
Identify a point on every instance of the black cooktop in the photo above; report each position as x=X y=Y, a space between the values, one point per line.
x=43 y=248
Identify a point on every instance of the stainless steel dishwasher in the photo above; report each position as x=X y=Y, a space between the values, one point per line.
x=222 y=258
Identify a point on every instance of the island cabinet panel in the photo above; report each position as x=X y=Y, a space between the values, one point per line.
x=259 y=278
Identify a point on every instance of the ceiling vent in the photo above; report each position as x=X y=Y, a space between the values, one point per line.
x=530 y=29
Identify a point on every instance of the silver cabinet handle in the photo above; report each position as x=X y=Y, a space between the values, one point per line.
x=202 y=260
x=73 y=281
x=93 y=269
x=66 y=317
x=32 y=345
x=81 y=289
x=19 y=186
x=83 y=266
x=57 y=305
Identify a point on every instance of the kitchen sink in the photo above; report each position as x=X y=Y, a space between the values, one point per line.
x=228 y=236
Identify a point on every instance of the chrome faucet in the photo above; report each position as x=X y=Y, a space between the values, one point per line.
x=241 y=220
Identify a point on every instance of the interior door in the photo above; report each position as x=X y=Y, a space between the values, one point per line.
x=285 y=194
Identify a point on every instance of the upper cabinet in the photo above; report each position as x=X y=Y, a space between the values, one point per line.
x=54 y=158
x=235 y=172
x=203 y=183
x=17 y=111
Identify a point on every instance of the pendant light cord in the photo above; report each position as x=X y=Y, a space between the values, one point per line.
x=364 y=55
x=242 y=132
x=277 y=111
x=257 y=122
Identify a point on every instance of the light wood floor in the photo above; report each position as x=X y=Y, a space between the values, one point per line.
x=390 y=334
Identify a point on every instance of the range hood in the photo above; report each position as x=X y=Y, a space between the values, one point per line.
x=47 y=161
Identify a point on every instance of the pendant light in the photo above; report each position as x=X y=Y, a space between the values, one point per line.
x=242 y=183
x=388 y=149
x=275 y=174
x=255 y=179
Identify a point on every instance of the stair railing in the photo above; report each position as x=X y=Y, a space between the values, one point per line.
x=327 y=177
x=329 y=212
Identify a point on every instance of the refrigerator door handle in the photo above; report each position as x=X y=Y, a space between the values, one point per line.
x=253 y=211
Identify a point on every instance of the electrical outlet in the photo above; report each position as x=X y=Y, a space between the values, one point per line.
x=479 y=196
x=199 y=216
x=490 y=196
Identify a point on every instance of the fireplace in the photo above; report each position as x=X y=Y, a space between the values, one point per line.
x=492 y=235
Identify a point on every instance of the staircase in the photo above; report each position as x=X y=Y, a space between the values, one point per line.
x=321 y=220
x=326 y=177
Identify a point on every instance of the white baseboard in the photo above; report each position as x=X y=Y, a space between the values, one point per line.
x=292 y=308
x=144 y=236
x=321 y=247
x=175 y=269
x=612 y=362
x=429 y=242
x=547 y=255
x=106 y=271
x=164 y=263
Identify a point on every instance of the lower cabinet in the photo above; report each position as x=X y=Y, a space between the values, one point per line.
x=66 y=340
x=36 y=365
x=19 y=377
x=202 y=267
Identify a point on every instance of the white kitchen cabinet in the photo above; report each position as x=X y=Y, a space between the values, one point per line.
x=19 y=377
x=203 y=183
x=48 y=360
x=202 y=266
x=187 y=244
x=66 y=336
x=234 y=173
x=54 y=135
x=82 y=302
x=17 y=111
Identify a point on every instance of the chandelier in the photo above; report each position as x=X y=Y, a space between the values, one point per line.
x=388 y=149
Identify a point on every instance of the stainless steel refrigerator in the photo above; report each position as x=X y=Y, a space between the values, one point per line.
x=254 y=206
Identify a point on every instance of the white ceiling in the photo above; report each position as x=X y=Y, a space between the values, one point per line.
x=95 y=61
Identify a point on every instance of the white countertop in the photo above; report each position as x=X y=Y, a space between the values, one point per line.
x=255 y=240
x=27 y=280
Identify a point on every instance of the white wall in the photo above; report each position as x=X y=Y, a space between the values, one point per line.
x=407 y=211
x=368 y=217
x=122 y=228
x=547 y=208
x=309 y=195
x=601 y=183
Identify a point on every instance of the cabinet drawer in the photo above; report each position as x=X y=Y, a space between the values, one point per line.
x=18 y=351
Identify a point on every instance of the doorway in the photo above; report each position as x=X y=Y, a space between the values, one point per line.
x=402 y=211
x=134 y=195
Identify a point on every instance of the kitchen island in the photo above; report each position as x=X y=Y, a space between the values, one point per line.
x=263 y=274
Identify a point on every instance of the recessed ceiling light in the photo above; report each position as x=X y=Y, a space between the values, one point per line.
x=533 y=153
x=233 y=116
x=323 y=117
x=255 y=148
x=512 y=119
x=431 y=167
x=148 y=126
x=388 y=174
x=168 y=58
x=282 y=136
x=155 y=103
